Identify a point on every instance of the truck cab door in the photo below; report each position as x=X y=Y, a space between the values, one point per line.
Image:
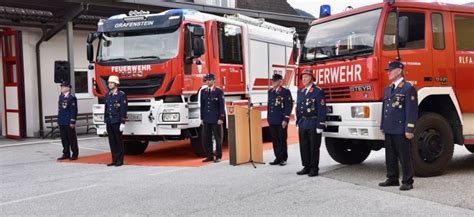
x=415 y=53
x=442 y=52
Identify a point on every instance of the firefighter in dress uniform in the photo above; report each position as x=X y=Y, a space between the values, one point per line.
x=115 y=116
x=67 y=113
x=279 y=106
x=310 y=119
x=400 y=110
x=212 y=116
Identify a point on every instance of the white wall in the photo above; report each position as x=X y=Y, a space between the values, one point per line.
x=54 y=49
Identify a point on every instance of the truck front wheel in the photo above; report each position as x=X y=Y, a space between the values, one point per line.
x=133 y=147
x=433 y=145
x=345 y=151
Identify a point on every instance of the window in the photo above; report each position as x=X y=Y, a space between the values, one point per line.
x=138 y=46
x=341 y=37
x=464 y=28
x=82 y=83
x=416 y=31
x=437 y=29
x=230 y=43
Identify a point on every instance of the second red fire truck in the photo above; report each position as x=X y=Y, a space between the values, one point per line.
x=348 y=53
x=161 y=60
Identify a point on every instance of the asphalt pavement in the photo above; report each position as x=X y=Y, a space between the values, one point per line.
x=32 y=182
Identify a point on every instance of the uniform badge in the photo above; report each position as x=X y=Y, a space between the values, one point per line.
x=64 y=104
x=323 y=102
x=117 y=105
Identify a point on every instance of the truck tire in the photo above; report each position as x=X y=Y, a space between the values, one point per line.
x=133 y=147
x=433 y=145
x=196 y=144
x=469 y=148
x=345 y=151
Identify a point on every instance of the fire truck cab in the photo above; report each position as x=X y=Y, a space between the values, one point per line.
x=348 y=53
x=161 y=60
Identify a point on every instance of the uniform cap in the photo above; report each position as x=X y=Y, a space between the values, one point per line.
x=307 y=72
x=394 y=65
x=65 y=84
x=277 y=77
x=209 y=77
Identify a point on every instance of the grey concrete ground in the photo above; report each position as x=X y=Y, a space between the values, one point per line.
x=33 y=183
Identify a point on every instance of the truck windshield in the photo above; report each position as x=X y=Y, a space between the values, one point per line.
x=131 y=46
x=342 y=38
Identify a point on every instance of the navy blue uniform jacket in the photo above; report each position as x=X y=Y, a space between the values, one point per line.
x=280 y=104
x=400 y=109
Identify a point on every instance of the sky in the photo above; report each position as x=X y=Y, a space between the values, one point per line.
x=312 y=6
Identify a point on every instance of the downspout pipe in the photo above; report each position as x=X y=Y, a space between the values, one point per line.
x=38 y=81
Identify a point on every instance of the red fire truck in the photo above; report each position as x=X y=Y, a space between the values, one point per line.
x=348 y=53
x=161 y=60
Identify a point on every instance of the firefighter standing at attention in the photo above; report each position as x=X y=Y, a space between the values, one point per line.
x=310 y=119
x=67 y=113
x=399 y=113
x=115 y=116
x=279 y=106
x=212 y=115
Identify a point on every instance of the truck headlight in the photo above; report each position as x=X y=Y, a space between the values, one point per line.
x=360 y=112
x=98 y=117
x=170 y=117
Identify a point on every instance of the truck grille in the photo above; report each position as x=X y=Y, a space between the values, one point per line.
x=337 y=93
x=144 y=86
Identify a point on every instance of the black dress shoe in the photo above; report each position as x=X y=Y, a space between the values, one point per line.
x=275 y=162
x=406 y=187
x=282 y=163
x=389 y=182
x=217 y=160
x=74 y=158
x=313 y=172
x=118 y=164
x=304 y=171
x=64 y=157
x=111 y=164
x=207 y=160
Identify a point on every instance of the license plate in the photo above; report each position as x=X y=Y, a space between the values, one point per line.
x=134 y=117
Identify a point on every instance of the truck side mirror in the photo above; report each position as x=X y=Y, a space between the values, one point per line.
x=198 y=42
x=402 y=31
x=198 y=31
x=90 y=52
x=295 y=48
x=91 y=37
x=198 y=46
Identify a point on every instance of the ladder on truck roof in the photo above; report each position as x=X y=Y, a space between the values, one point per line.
x=261 y=23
